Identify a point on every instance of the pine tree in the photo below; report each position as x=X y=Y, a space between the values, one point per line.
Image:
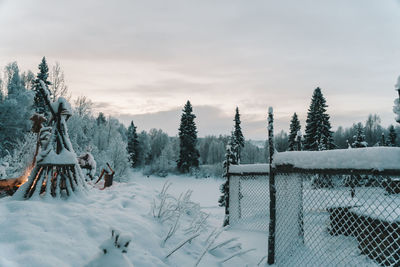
x=237 y=136
x=359 y=138
x=383 y=141
x=43 y=74
x=224 y=198
x=188 y=154
x=101 y=119
x=293 y=135
x=392 y=136
x=133 y=145
x=318 y=134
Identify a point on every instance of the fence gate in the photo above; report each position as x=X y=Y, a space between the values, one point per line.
x=337 y=216
x=249 y=197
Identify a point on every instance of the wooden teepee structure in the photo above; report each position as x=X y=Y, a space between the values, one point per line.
x=57 y=172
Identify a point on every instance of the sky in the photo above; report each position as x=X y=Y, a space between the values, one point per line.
x=142 y=60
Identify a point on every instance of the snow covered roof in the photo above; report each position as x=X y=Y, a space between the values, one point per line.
x=249 y=168
x=376 y=158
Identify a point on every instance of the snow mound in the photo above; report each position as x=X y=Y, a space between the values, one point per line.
x=112 y=252
x=68 y=233
x=249 y=168
x=65 y=105
x=377 y=158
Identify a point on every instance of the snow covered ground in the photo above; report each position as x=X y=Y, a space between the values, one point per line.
x=69 y=232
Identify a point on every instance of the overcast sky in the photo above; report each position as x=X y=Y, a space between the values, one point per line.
x=141 y=60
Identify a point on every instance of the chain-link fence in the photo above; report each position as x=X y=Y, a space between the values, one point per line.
x=337 y=218
x=249 y=200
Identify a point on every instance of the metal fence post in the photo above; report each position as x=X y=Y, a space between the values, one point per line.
x=272 y=190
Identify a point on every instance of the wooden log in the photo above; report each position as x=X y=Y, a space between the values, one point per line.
x=31 y=188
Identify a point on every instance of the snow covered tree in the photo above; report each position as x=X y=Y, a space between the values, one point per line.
x=15 y=111
x=373 y=130
x=383 y=140
x=224 y=198
x=237 y=135
x=281 y=141
x=215 y=152
x=15 y=84
x=133 y=145
x=396 y=107
x=28 y=79
x=118 y=156
x=318 y=134
x=83 y=106
x=58 y=86
x=392 y=136
x=39 y=102
x=164 y=164
x=143 y=149
x=294 y=129
x=359 y=138
x=1 y=91
x=188 y=154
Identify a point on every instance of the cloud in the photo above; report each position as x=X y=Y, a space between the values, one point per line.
x=149 y=57
x=209 y=120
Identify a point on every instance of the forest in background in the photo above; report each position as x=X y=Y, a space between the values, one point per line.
x=108 y=139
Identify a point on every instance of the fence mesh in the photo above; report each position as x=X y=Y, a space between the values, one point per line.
x=346 y=219
x=249 y=201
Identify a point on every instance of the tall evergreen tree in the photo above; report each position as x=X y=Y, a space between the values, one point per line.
x=101 y=119
x=224 y=188
x=392 y=136
x=237 y=135
x=359 y=138
x=133 y=145
x=43 y=74
x=294 y=129
x=318 y=134
x=188 y=154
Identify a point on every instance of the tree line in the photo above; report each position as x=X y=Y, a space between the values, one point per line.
x=154 y=151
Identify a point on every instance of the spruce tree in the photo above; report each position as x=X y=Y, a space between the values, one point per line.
x=383 y=141
x=359 y=138
x=43 y=74
x=101 y=119
x=133 y=145
x=224 y=188
x=392 y=136
x=318 y=134
x=293 y=135
x=237 y=135
x=188 y=154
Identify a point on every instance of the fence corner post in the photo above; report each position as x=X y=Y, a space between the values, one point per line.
x=272 y=190
x=227 y=185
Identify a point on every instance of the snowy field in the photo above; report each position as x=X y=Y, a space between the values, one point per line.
x=69 y=232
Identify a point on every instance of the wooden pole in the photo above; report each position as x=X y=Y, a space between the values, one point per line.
x=272 y=190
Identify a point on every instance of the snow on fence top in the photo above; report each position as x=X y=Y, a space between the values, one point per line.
x=371 y=158
x=249 y=168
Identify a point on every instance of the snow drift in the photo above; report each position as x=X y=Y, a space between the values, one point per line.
x=376 y=158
